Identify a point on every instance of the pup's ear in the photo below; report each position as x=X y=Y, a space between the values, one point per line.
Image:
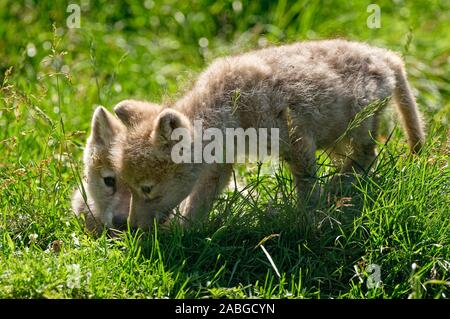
x=166 y=122
x=132 y=112
x=104 y=127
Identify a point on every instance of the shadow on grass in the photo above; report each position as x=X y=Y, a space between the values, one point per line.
x=224 y=253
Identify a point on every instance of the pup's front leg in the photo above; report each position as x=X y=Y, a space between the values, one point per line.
x=210 y=184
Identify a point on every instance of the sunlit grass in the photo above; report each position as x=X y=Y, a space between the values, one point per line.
x=52 y=78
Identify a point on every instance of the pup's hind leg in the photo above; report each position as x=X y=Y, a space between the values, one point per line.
x=358 y=154
x=359 y=161
x=301 y=158
x=362 y=144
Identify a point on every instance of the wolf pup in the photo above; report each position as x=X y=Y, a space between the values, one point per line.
x=310 y=91
x=107 y=199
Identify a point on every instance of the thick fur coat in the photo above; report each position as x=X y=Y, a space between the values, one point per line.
x=311 y=91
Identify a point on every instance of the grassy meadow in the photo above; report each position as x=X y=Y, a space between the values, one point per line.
x=387 y=237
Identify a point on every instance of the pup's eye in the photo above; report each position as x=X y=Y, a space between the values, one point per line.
x=146 y=189
x=109 y=181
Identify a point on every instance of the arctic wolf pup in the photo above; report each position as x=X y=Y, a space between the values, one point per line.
x=107 y=199
x=311 y=91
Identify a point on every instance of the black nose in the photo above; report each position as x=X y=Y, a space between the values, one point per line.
x=120 y=222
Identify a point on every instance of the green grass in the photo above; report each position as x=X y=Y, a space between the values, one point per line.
x=52 y=78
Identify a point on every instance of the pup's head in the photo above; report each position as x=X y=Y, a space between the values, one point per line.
x=144 y=161
x=107 y=196
x=83 y=205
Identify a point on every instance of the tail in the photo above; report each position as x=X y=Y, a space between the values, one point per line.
x=407 y=108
